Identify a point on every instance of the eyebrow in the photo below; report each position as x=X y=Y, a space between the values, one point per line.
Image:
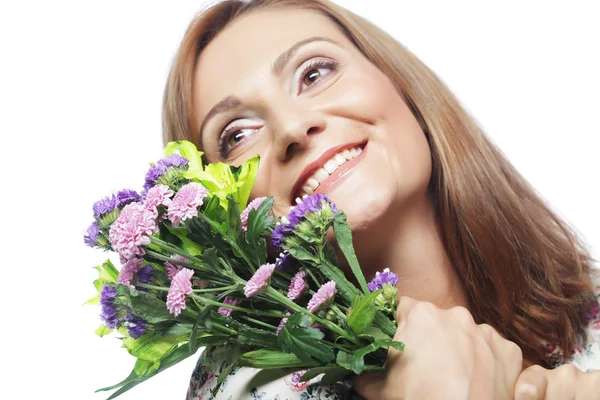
x=231 y=101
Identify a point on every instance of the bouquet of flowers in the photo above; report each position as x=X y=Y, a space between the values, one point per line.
x=195 y=271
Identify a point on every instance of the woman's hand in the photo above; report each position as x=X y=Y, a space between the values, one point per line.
x=447 y=356
x=563 y=383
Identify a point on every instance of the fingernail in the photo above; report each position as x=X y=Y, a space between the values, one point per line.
x=526 y=392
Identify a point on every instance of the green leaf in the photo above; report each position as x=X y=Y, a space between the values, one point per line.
x=177 y=355
x=259 y=220
x=145 y=305
x=234 y=224
x=187 y=150
x=333 y=374
x=255 y=337
x=373 y=334
x=343 y=235
x=152 y=347
x=305 y=342
x=385 y=324
x=344 y=359
x=358 y=357
x=93 y=300
x=301 y=254
x=346 y=289
x=187 y=245
x=273 y=358
x=103 y=330
x=245 y=180
x=363 y=312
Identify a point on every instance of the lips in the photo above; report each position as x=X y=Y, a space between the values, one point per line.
x=323 y=167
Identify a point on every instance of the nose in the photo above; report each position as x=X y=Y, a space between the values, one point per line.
x=293 y=125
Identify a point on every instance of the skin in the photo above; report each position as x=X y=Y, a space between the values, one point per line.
x=290 y=119
x=385 y=195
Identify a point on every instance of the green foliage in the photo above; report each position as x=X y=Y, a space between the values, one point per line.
x=297 y=337
x=343 y=235
x=358 y=357
x=363 y=312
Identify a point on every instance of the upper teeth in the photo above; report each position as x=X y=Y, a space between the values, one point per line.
x=339 y=159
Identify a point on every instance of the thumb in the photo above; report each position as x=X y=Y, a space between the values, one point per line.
x=531 y=384
x=369 y=385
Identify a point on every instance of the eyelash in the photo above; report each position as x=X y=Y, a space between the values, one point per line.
x=312 y=65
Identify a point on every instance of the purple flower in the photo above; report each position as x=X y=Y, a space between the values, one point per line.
x=127 y=196
x=297 y=286
x=382 y=278
x=186 y=202
x=109 y=313
x=285 y=262
x=253 y=205
x=173 y=268
x=92 y=234
x=135 y=327
x=181 y=286
x=129 y=269
x=323 y=296
x=308 y=204
x=260 y=280
x=131 y=230
x=282 y=323
x=145 y=274
x=227 y=311
x=160 y=167
x=104 y=206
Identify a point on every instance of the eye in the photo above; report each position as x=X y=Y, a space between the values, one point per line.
x=313 y=71
x=235 y=133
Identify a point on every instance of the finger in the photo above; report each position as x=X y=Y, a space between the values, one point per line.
x=531 y=384
x=369 y=385
x=404 y=305
x=588 y=386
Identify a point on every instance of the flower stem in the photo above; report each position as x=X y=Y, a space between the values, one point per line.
x=166 y=246
x=228 y=239
x=236 y=308
x=257 y=322
x=275 y=295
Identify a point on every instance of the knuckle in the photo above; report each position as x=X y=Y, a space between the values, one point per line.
x=514 y=352
x=424 y=307
x=462 y=315
x=566 y=372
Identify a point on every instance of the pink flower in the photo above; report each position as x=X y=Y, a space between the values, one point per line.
x=181 y=286
x=186 y=202
x=282 y=323
x=132 y=229
x=297 y=286
x=159 y=195
x=227 y=311
x=173 y=268
x=259 y=280
x=323 y=295
x=129 y=269
x=253 y=205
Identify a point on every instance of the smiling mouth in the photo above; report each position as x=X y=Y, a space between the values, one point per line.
x=335 y=165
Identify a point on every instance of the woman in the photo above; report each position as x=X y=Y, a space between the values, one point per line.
x=494 y=280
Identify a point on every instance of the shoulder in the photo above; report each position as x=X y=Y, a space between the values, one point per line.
x=250 y=383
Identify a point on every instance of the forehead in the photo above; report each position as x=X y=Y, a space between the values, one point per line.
x=242 y=53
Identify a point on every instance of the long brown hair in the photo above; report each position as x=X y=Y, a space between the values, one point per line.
x=525 y=271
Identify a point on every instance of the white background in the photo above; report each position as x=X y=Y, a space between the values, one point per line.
x=80 y=100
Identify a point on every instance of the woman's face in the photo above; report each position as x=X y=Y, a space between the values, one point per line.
x=289 y=86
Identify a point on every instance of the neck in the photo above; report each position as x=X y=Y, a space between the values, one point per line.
x=415 y=252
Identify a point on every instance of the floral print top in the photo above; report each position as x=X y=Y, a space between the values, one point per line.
x=254 y=384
